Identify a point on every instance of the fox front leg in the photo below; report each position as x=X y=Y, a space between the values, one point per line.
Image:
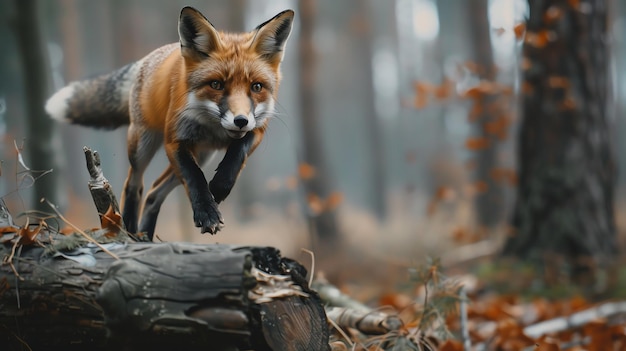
x=229 y=168
x=206 y=215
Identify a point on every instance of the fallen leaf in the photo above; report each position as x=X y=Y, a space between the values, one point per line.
x=451 y=345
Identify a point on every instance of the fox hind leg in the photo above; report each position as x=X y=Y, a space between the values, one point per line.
x=157 y=194
x=166 y=182
x=142 y=145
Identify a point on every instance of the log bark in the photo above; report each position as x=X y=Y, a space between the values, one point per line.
x=156 y=295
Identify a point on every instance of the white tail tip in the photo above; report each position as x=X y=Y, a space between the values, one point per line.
x=57 y=105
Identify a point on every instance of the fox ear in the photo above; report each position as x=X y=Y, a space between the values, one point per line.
x=198 y=37
x=271 y=36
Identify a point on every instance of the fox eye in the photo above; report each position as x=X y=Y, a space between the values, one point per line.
x=216 y=84
x=256 y=87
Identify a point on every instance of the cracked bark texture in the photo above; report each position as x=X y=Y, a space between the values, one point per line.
x=156 y=296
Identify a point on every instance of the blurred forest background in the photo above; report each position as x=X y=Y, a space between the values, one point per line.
x=378 y=142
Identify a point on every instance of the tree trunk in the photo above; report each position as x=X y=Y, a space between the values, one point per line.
x=40 y=142
x=489 y=203
x=155 y=296
x=363 y=37
x=324 y=223
x=566 y=163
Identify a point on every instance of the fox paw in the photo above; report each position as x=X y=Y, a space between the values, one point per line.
x=208 y=221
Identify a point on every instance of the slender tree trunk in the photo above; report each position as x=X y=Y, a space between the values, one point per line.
x=567 y=172
x=324 y=223
x=374 y=131
x=40 y=142
x=489 y=203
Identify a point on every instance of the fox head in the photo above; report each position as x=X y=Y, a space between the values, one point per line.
x=232 y=78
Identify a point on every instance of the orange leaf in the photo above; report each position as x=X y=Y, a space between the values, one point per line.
x=460 y=235
x=557 y=82
x=504 y=175
x=423 y=87
x=111 y=221
x=67 y=231
x=444 y=90
x=8 y=229
x=476 y=144
x=473 y=93
x=480 y=186
x=316 y=205
x=498 y=127
x=507 y=90
x=420 y=101
x=553 y=13
x=27 y=236
x=334 y=200
x=527 y=88
x=442 y=193
x=396 y=300
x=574 y=3
x=422 y=91
x=519 y=30
x=539 y=39
x=451 y=345
x=481 y=89
x=578 y=303
x=306 y=171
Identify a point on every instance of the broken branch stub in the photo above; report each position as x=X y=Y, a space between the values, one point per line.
x=101 y=190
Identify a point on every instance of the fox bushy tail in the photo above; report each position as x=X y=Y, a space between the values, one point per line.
x=100 y=102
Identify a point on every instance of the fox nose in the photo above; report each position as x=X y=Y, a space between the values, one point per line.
x=241 y=121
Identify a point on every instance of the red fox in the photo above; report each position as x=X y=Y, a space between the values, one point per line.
x=213 y=90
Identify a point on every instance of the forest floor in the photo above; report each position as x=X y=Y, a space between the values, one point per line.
x=506 y=306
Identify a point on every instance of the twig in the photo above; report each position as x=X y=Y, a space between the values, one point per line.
x=79 y=231
x=467 y=343
x=575 y=320
x=341 y=331
x=312 y=273
x=334 y=297
x=372 y=322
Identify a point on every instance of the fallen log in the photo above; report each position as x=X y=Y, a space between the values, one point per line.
x=154 y=296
